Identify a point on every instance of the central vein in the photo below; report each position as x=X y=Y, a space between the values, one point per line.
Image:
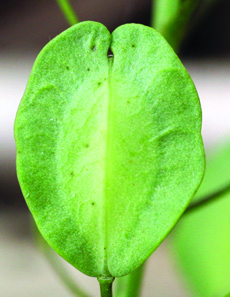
x=107 y=167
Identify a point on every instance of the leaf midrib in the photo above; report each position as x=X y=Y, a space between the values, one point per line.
x=107 y=170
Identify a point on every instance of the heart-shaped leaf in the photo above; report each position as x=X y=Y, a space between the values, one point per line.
x=109 y=151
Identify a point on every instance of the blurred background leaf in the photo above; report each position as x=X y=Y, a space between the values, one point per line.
x=201 y=240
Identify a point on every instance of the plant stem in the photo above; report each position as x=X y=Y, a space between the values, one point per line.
x=130 y=285
x=207 y=199
x=106 y=286
x=68 y=12
x=171 y=17
x=175 y=18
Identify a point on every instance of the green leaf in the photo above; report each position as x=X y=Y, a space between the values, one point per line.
x=58 y=265
x=201 y=239
x=109 y=151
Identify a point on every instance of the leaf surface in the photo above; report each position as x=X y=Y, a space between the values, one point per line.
x=109 y=151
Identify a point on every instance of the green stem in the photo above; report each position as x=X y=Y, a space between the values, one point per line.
x=208 y=199
x=130 y=285
x=174 y=19
x=171 y=17
x=68 y=12
x=106 y=286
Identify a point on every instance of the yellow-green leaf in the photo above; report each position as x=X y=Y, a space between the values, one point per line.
x=109 y=150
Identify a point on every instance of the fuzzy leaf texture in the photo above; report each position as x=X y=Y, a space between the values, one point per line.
x=109 y=150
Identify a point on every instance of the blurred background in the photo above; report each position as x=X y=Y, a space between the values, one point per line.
x=25 y=27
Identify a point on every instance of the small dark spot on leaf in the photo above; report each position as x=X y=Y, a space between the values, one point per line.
x=93 y=203
x=133 y=45
x=94 y=48
x=86 y=145
x=110 y=54
x=104 y=248
x=67 y=67
x=99 y=83
x=88 y=69
x=133 y=184
x=72 y=173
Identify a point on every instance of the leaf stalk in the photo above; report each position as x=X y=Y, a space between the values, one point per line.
x=106 y=286
x=68 y=11
x=211 y=197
